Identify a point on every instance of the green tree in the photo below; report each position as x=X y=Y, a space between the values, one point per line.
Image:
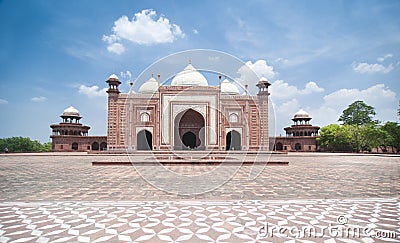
x=369 y=136
x=326 y=140
x=335 y=138
x=392 y=138
x=358 y=113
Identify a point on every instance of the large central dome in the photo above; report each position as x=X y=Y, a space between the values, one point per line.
x=189 y=77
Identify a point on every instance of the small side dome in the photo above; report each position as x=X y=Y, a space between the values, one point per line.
x=189 y=77
x=229 y=88
x=71 y=111
x=113 y=77
x=149 y=87
x=301 y=114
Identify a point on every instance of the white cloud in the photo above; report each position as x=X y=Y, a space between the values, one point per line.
x=250 y=73
x=143 y=29
x=281 y=60
x=195 y=31
x=376 y=95
x=363 y=67
x=311 y=87
x=3 y=102
x=262 y=69
x=39 y=99
x=110 y=38
x=282 y=90
x=126 y=75
x=381 y=59
x=92 y=91
x=116 y=48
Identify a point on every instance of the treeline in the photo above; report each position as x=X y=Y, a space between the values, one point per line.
x=352 y=138
x=21 y=144
x=359 y=132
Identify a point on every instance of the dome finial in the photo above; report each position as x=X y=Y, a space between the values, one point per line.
x=190 y=61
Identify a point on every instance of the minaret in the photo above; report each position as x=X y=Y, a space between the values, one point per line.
x=263 y=109
x=113 y=114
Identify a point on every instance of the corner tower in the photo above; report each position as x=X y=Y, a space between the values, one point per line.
x=262 y=96
x=113 y=112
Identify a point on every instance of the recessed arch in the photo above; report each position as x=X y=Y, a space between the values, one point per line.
x=103 y=146
x=297 y=146
x=233 y=118
x=279 y=146
x=144 y=140
x=144 y=117
x=74 y=146
x=95 y=146
x=189 y=124
x=233 y=140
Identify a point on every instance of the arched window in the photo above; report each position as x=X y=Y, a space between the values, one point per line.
x=75 y=146
x=95 y=146
x=233 y=117
x=103 y=146
x=144 y=117
x=279 y=146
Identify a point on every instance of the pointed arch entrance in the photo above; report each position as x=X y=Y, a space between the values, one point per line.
x=189 y=130
x=144 y=140
x=279 y=146
x=233 y=140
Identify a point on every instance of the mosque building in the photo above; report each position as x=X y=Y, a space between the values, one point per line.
x=187 y=114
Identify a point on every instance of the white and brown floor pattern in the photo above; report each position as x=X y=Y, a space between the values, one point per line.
x=202 y=221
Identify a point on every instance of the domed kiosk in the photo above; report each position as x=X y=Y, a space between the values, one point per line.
x=70 y=135
x=301 y=136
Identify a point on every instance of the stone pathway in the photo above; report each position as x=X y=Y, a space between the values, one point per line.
x=60 y=198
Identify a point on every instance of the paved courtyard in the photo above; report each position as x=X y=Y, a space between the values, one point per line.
x=63 y=198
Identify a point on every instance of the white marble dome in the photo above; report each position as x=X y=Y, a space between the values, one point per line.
x=71 y=111
x=149 y=87
x=301 y=114
x=189 y=77
x=229 y=88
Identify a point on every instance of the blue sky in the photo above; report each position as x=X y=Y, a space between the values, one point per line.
x=319 y=55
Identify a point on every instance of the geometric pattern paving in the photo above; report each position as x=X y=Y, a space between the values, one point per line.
x=202 y=221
